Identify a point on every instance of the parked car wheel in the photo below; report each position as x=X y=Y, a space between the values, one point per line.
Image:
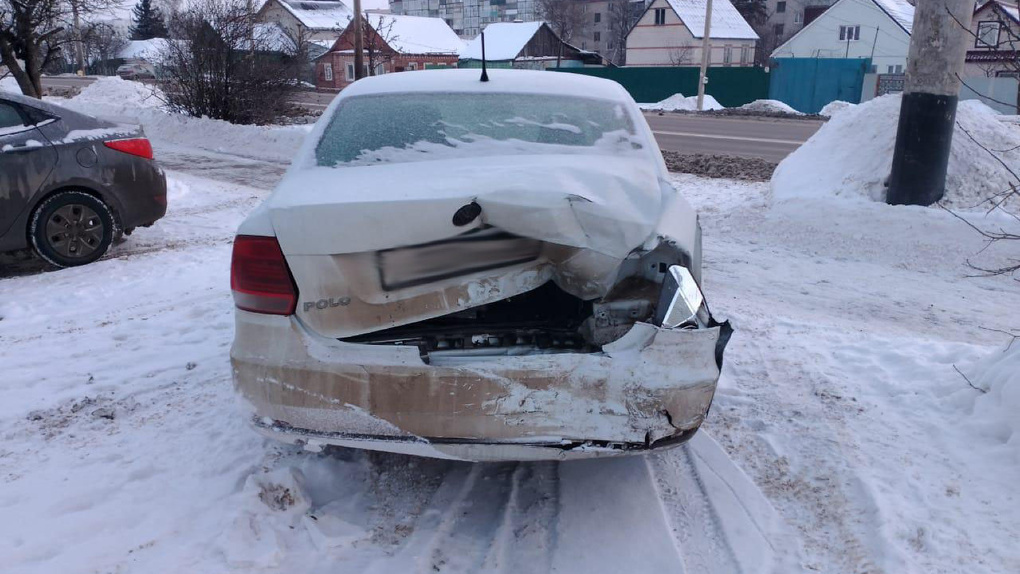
x=72 y=228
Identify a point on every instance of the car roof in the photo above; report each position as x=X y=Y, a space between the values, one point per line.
x=35 y=103
x=500 y=81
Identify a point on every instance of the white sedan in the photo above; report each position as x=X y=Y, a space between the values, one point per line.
x=492 y=270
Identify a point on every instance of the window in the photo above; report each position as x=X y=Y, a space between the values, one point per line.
x=987 y=35
x=660 y=16
x=380 y=69
x=727 y=55
x=598 y=17
x=745 y=55
x=9 y=118
x=899 y=68
x=777 y=30
x=412 y=66
x=399 y=128
x=780 y=7
x=874 y=69
x=798 y=17
x=890 y=70
x=598 y=36
x=327 y=72
x=350 y=72
x=849 y=33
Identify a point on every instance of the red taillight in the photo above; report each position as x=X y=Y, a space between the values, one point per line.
x=260 y=278
x=134 y=146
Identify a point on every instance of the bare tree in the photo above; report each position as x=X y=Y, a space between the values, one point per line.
x=680 y=55
x=566 y=17
x=378 y=40
x=101 y=43
x=221 y=64
x=622 y=15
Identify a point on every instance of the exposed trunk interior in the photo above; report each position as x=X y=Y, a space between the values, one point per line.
x=544 y=320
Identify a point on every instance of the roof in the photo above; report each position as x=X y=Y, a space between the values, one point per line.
x=727 y=23
x=1010 y=10
x=900 y=11
x=142 y=49
x=319 y=14
x=503 y=41
x=500 y=81
x=416 y=34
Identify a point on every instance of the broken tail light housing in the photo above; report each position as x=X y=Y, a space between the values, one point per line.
x=259 y=277
x=140 y=147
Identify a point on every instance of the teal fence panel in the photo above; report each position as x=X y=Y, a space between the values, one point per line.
x=730 y=86
x=807 y=84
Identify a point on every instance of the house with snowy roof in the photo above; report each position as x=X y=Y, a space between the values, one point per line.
x=392 y=43
x=317 y=21
x=875 y=29
x=995 y=32
x=670 y=33
x=529 y=45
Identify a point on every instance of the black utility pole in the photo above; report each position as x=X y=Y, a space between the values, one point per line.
x=359 y=42
x=938 y=45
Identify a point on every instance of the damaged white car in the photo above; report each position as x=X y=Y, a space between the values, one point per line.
x=482 y=270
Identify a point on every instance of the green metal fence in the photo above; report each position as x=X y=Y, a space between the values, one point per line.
x=730 y=86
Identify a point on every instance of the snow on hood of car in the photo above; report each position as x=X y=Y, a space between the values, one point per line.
x=609 y=204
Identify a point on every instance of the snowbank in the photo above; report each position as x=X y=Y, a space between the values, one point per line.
x=111 y=90
x=133 y=102
x=861 y=138
x=997 y=411
x=771 y=107
x=9 y=84
x=677 y=102
x=833 y=108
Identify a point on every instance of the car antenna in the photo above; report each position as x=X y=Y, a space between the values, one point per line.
x=485 y=74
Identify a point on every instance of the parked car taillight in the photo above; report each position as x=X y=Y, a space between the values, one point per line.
x=260 y=278
x=134 y=146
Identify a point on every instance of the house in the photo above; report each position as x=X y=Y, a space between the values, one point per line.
x=393 y=43
x=995 y=29
x=784 y=18
x=605 y=27
x=875 y=29
x=530 y=45
x=670 y=33
x=317 y=21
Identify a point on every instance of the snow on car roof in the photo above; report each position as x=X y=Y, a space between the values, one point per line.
x=900 y=11
x=416 y=34
x=500 y=81
x=726 y=20
x=319 y=14
x=503 y=41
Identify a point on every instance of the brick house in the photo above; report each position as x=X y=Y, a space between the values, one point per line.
x=393 y=43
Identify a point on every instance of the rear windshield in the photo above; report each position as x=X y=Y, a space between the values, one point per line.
x=397 y=128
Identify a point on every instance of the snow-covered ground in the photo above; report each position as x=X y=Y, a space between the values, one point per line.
x=842 y=439
x=678 y=102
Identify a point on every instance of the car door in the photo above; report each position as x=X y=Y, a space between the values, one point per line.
x=26 y=160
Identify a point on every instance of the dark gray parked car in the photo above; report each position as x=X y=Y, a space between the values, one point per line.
x=71 y=184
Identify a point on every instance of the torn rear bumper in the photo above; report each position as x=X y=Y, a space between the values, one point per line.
x=651 y=388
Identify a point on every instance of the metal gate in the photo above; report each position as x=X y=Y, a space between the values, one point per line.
x=807 y=84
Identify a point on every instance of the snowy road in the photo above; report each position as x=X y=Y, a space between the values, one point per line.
x=147 y=466
x=839 y=407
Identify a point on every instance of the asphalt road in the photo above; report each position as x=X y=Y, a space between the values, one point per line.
x=768 y=138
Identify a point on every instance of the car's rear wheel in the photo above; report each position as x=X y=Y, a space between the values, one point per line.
x=72 y=228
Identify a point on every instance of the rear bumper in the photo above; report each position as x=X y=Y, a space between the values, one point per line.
x=652 y=388
x=142 y=199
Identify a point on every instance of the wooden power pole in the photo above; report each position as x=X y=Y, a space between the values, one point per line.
x=359 y=42
x=938 y=45
x=706 y=53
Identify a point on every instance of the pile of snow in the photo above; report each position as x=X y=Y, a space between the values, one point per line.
x=862 y=139
x=771 y=107
x=833 y=108
x=9 y=84
x=125 y=101
x=114 y=90
x=997 y=411
x=677 y=102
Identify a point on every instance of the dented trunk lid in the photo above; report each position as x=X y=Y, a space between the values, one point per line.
x=375 y=247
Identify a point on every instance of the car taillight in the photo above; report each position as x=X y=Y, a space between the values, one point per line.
x=134 y=146
x=260 y=278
